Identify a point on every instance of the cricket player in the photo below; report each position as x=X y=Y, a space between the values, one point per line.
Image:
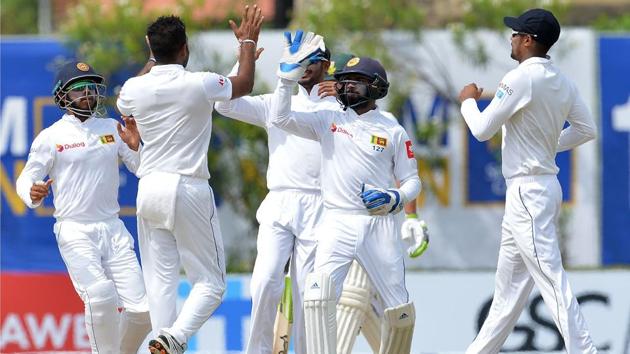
x=360 y=309
x=290 y=210
x=363 y=153
x=531 y=106
x=79 y=153
x=177 y=221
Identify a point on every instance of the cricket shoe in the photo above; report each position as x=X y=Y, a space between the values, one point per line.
x=166 y=344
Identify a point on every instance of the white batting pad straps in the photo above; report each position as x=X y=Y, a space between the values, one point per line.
x=101 y=317
x=398 y=329
x=320 y=314
x=352 y=308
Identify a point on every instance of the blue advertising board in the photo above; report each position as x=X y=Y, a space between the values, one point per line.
x=614 y=63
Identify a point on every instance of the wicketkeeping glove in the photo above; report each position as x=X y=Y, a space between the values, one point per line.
x=380 y=201
x=415 y=234
x=296 y=54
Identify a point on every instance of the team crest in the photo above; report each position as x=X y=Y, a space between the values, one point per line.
x=107 y=139
x=377 y=140
x=352 y=62
x=59 y=147
x=333 y=127
x=83 y=66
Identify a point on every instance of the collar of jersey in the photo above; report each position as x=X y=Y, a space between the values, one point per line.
x=311 y=96
x=369 y=115
x=74 y=120
x=535 y=60
x=167 y=68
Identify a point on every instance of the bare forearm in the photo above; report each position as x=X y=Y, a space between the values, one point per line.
x=410 y=208
x=147 y=67
x=243 y=82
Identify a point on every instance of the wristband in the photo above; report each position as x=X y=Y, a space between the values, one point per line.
x=243 y=41
x=152 y=59
x=411 y=216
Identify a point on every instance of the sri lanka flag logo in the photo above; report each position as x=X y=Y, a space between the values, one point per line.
x=377 y=140
x=107 y=139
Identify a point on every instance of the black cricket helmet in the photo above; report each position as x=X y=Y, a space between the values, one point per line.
x=375 y=89
x=80 y=78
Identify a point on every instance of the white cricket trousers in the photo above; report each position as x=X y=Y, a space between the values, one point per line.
x=529 y=255
x=287 y=219
x=98 y=253
x=196 y=244
x=374 y=241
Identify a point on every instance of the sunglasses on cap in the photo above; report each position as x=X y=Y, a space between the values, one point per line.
x=517 y=33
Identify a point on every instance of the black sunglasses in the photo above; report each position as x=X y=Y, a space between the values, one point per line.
x=516 y=33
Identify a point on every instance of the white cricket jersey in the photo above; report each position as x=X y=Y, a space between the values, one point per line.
x=370 y=148
x=294 y=162
x=532 y=103
x=173 y=110
x=82 y=160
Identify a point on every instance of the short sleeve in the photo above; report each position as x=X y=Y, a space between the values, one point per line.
x=405 y=164
x=124 y=101
x=216 y=87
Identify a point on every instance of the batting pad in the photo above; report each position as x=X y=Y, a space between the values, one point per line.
x=398 y=329
x=371 y=330
x=134 y=327
x=352 y=308
x=101 y=317
x=320 y=314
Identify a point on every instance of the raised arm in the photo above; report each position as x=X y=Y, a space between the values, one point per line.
x=150 y=62
x=514 y=93
x=581 y=129
x=293 y=63
x=247 y=35
x=304 y=124
x=252 y=110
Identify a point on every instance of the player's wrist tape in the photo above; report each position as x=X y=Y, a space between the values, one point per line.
x=412 y=216
x=152 y=59
x=243 y=41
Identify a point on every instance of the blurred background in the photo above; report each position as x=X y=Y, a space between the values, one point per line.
x=431 y=49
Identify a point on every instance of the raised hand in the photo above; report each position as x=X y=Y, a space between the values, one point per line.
x=129 y=133
x=297 y=51
x=251 y=22
x=39 y=190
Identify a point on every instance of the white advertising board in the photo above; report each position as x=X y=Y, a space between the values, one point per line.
x=449 y=308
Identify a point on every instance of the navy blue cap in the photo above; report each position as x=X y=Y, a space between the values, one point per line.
x=74 y=71
x=538 y=22
x=364 y=66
